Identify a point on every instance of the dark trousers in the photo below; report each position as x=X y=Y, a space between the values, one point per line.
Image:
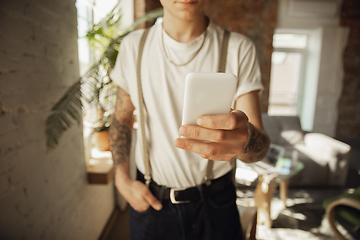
x=214 y=218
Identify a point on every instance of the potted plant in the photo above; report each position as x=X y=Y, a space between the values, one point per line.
x=93 y=95
x=101 y=134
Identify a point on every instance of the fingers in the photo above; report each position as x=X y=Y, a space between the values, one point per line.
x=140 y=206
x=138 y=195
x=213 y=135
x=153 y=201
x=221 y=137
x=196 y=132
x=229 y=121
x=209 y=150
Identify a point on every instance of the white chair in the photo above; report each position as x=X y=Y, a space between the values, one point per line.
x=325 y=159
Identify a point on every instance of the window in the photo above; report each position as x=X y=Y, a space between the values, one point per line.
x=286 y=73
x=91 y=12
x=85 y=21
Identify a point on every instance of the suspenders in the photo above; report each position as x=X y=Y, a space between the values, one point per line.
x=147 y=174
x=221 y=68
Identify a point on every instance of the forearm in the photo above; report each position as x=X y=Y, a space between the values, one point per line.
x=136 y=193
x=257 y=146
x=258 y=142
x=120 y=143
x=120 y=134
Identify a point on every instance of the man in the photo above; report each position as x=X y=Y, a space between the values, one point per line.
x=186 y=41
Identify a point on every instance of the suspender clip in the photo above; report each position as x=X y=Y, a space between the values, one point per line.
x=207 y=180
x=147 y=180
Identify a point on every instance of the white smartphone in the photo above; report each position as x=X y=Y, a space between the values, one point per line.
x=207 y=94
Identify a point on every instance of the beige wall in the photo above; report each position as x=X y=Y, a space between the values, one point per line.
x=43 y=195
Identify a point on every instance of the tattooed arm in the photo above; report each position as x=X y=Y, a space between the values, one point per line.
x=120 y=129
x=237 y=134
x=258 y=141
x=136 y=193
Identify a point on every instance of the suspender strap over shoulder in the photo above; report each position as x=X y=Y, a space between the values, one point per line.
x=221 y=68
x=141 y=109
x=223 y=51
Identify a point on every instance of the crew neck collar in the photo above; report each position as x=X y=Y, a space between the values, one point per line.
x=172 y=43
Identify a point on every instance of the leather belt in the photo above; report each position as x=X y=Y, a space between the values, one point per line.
x=199 y=192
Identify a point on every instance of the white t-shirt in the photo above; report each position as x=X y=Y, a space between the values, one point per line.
x=163 y=90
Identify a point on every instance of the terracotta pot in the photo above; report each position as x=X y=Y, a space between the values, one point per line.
x=102 y=140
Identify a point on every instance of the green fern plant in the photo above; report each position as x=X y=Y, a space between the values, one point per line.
x=95 y=87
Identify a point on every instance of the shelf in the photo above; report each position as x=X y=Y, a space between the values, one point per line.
x=100 y=168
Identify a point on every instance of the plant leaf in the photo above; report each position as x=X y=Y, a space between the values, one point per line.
x=89 y=86
x=64 y=110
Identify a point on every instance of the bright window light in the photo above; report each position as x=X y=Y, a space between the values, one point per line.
x=289 y=41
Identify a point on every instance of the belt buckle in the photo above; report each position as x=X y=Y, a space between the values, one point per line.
x=172 y=196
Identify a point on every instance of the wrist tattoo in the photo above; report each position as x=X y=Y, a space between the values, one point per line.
x=120 y=141
x=257 y=143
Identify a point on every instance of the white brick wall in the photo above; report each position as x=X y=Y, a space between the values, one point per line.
x=42 y=195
